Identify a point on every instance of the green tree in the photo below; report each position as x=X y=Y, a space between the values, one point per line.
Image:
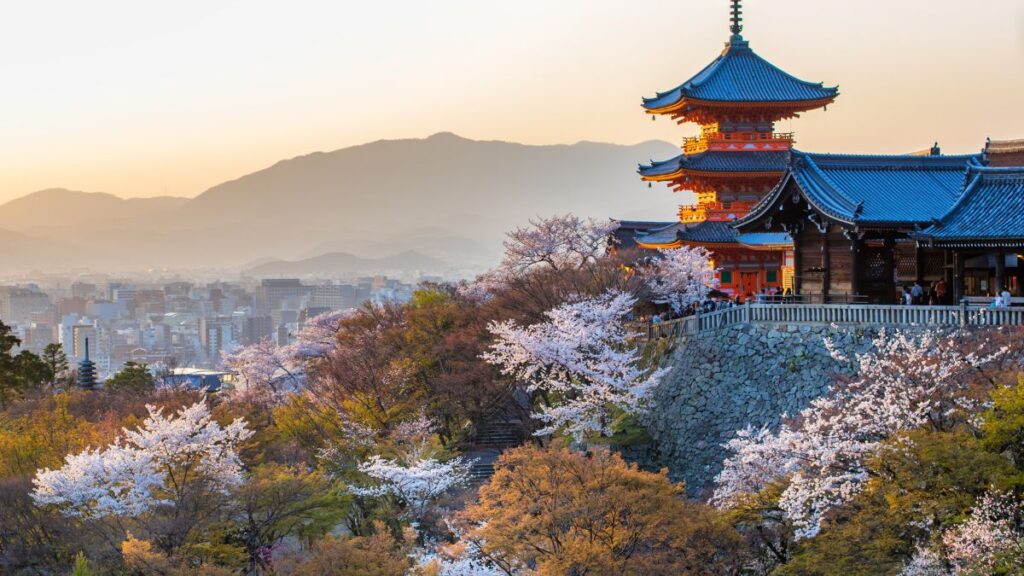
x=81 y=567
x=133 y=379
x=18 y=373
x=56 y=362
x=1003 y=427
x=279 y=501
x=921 y=483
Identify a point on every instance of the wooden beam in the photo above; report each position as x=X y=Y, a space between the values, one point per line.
x=890 y=268
x=855 y=263
x=798 y=263
x=1000 y=271
x=826 y=262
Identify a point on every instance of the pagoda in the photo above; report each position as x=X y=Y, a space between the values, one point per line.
x=735 y=161
x=87 y=371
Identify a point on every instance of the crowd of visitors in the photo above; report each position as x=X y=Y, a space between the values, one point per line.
x=934 y=295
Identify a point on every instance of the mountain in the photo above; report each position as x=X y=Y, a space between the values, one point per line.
x=339 y=264
x=445 y=196
x=58 y=208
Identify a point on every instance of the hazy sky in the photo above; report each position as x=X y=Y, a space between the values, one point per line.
x=149 y=98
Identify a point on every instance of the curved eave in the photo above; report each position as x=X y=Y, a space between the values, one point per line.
x=973 y=243
x=762 y=208
x=709 y=174
x=685 y=105
x=668 y=246
x=712 y=245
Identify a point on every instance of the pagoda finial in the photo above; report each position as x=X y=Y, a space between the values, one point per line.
x=737 y=18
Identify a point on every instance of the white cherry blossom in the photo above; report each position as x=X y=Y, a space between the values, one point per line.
x=149 y=467
x=577 y=357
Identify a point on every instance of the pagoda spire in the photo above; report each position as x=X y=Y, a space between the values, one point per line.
x=87 y=371
x=737 y=19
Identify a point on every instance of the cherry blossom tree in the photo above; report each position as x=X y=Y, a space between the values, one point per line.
x=926 y=562
x=416 y=481
x=171 y=464
x=317 y=336
x=905 y=382
x=269 y=372
x=265 y=371
x=417 y=475
x=553 y=245
x=558 y=242
x=991 y=530
x=464 y=558
x=679 y=277
x=578 y=358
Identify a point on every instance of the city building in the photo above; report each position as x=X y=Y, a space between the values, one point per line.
x=277 y=293
x=257 y=328
x=17 y=305
x=80 y=333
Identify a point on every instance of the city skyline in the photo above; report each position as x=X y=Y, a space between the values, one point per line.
x=172 y=101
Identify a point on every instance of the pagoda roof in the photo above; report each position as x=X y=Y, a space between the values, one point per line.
x=677 y=233
x=717 y=161
x=665 y=237
x=628 y=231
x=872 y=189
x=739 y=75
x=987 y=213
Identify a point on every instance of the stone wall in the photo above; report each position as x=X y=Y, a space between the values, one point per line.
x=743 y=375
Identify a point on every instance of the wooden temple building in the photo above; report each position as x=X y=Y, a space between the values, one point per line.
x=834 y=228
x=735 y=161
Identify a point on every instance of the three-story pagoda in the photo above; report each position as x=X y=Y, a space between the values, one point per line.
x=734 y=162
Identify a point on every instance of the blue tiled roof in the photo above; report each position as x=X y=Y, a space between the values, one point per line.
x=991 y=208
x=709 y=232
x=713 y=161
x=756 y=239
x=666 y=235
x=706 y=232
x=874 y=189
x=740 y=75
x=628 y=230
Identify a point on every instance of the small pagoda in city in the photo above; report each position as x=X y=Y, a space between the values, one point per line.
x=735 y=161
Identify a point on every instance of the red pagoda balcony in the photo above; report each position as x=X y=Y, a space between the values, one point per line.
x=713 y=211
x=738 y=142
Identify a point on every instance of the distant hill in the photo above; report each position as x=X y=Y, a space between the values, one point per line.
x=445 y=196
x=337 y=264
x=56 y=208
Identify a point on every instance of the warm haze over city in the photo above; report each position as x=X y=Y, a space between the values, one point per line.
x=533 y=288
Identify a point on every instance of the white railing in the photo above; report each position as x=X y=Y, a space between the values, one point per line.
x=842 y=314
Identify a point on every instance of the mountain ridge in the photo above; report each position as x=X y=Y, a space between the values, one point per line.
x=450 y=197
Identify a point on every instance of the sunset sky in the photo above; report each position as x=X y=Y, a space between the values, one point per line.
x=146 y=98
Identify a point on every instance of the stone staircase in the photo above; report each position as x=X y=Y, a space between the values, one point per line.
x=494 y=436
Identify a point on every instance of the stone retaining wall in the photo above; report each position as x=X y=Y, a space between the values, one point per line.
x=742 y=375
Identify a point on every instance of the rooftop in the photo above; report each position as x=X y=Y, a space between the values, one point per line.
x=987 y=213
x=707 y=232
x=858 y=189
x=740 y=75
x=712 y=161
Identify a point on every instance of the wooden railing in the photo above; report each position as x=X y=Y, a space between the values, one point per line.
x=841 y=314
x=721 y=140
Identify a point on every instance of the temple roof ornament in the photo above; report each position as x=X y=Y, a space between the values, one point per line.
x=740 y=76
x=737 y=19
